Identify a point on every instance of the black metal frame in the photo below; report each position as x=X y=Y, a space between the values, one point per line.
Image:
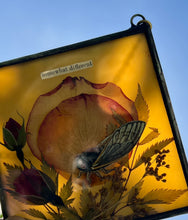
x=141 y=27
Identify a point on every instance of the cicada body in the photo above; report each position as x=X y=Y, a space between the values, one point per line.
x=111 y=149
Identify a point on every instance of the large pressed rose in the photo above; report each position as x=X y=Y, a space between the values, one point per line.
x=75 y=117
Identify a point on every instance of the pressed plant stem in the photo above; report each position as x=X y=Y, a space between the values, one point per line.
x=130 y=168
x=49 y=208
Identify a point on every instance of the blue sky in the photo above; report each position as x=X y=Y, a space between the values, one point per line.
x=29 y=27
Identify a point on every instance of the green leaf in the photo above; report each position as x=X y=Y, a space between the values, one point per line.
x=66 y=191
x=49 y=182
x=162 y=196
x=57 y=216
x=150 y=210
x=152 y=151
x=70 y=214
x=141 y=211
x=13 y=173
x=50 y=171
x=10 y=140
x=141 y=106
x=152 y=135
x=22 y=137
x=35 y=213
x=88 y=204
x=16 y=196
x=102 y=204
x=111 y=193
x=69 y=201
x=90 y=214
x=135 y=190
x=27 y=199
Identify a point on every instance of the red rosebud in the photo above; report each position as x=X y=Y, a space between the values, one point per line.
x=14 y=136
x=36 y=187
x=13 y=126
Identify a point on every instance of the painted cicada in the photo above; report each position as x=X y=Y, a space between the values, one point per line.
x=111 y=149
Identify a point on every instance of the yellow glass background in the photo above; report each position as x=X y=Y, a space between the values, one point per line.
x=125 y=62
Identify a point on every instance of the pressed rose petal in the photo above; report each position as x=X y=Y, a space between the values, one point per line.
x=74 y=116
x=76 y=125
x=36 y=187
x=29 y=183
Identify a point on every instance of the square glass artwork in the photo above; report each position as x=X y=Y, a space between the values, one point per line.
x=88 y=132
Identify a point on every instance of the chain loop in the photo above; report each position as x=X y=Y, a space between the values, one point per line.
x=141 y=21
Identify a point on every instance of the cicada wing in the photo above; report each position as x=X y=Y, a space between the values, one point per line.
x=121 y=142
